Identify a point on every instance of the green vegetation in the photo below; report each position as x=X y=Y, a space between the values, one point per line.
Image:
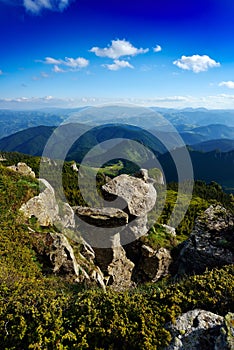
x=40 y=311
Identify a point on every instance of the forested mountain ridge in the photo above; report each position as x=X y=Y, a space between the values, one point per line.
x=210 y=165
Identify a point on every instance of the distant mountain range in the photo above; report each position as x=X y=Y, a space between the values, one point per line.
x=209 y=164
x=222 y=145
x=209 y=135
x=185 y=120
x=206 y=133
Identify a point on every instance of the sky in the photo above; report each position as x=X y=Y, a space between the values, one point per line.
x=71 y=53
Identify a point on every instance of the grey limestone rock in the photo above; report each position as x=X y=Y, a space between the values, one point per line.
x=210 y=244
x=139 y=195
x=196 y=329
x=22 y=168
x=46 y=209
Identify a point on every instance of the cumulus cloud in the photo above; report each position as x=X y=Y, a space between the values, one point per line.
x=36 y=6
x=67 y=64
x=118 y=65
x=196 y=63
x=157 y=48
x=229 y=84
x=117 y=49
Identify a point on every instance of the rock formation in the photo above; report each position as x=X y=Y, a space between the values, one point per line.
x=46 y=209
x=112 y=261
x=22 y=168
x=57 y=255
x=153 y=264
x=136 y=196
x=210 y=244
x=199 y=329
x=138 y=193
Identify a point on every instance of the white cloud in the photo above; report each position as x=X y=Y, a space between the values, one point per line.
x=68 y=62
x=196 y=63
x=50 y=60
x=118 y=65
x=222 y=101
x=1 y=72
x=36 y=6
x=79 y=62
x=229 y=84
x=157 y=48
x=172 y=99
x=57 y=69
x=117 y=49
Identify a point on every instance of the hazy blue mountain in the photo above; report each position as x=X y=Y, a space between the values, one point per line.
x=207 y=133
x=14 y=121
x=222 y=145
x=185 y=120
x=197 y=116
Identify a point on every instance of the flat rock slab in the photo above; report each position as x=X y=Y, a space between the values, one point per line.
x=102 y=217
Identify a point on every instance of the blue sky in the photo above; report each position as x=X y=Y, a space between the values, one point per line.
x=82 y=52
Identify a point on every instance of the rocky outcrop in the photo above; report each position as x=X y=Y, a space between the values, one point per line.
x=110 y=225
x=120 y=270
x=23 y=169
x=153 y=264
x=210 y=244
x=196 y=329
x=57 y=256
x=46 y=209
x=199 y=329
x=112 y=261
x=136 y=196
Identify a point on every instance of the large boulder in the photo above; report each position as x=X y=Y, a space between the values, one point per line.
x=139 y=195
x=46 y=209
x=44 y=206
x=200 y=329
x=211 y=243
x=196 y=329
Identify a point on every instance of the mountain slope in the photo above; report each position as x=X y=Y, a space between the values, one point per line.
x=210 y=166
x=33 y=140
